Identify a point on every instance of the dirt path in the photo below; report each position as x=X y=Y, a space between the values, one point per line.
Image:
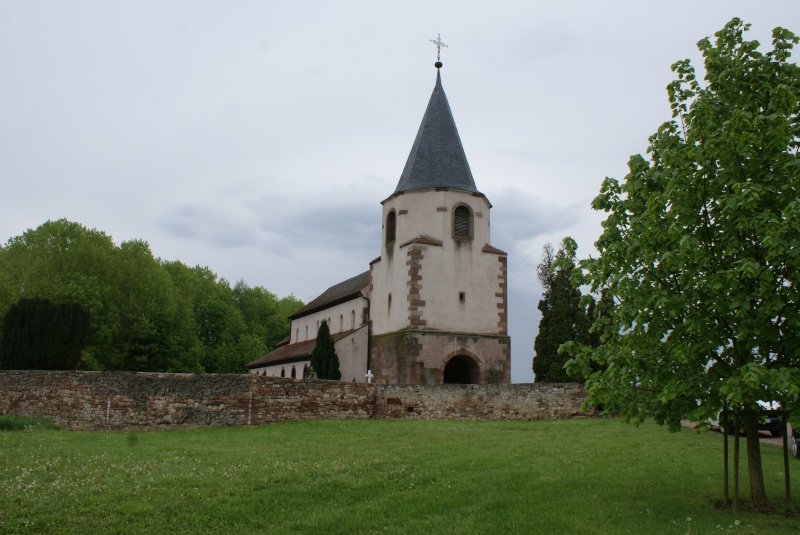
x=764 y=437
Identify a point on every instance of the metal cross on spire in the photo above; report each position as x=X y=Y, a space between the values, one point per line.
x=439 y=44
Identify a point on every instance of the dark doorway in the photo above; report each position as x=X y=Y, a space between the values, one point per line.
x=461 y=370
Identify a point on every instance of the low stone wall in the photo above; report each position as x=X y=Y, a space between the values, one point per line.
x=128 y=400
x=526 y=401
x=121 y=400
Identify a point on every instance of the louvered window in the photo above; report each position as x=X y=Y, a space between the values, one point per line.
x=461 y=222
x=391 y=227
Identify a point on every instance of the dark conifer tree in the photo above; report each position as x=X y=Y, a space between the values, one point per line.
x=324 y=360
x=41 y=335
x=563 y=318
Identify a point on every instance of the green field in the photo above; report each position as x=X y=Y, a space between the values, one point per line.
x=573 y=476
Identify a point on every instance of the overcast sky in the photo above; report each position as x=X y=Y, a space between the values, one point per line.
x=258 y=137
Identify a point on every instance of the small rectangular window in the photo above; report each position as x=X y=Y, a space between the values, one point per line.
x=462 y=297
x=390 y=302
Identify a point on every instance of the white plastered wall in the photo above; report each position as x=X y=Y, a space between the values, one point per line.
x=349 y=312
x=275 y=369
x=454 y=267
x=352 y=352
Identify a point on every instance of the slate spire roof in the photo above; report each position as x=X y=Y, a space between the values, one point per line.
x=437 y=159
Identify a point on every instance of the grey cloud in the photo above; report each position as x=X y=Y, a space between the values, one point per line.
x=331 y=226
x=282 y=225
x=208 y=225
x=520 y=216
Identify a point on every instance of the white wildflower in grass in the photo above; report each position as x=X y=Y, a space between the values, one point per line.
x=188 y=471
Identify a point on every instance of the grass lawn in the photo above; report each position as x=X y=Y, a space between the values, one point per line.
x=571 y=476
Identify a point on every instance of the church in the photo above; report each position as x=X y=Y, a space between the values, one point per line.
x=432 y=307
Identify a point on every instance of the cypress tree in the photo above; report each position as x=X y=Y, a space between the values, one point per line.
x=563 y=317
x=324 y=360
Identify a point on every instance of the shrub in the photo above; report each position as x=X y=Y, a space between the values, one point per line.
x=10 y=422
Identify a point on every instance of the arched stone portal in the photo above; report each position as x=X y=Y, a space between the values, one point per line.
x=461 y=369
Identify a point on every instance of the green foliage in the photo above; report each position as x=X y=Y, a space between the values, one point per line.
x=41 y=335
x=324 y=360
x=146 y=315
x=265 y=315
x=232 y=326
x=564 y=317
x=701 y=249
x=377 y=476
x=10 y=422
x=63 y=262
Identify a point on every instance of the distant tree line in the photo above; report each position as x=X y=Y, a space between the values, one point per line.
x=71 y=298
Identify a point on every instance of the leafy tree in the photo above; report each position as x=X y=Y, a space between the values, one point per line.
x=233 y=325
x=280 y=324
x=64 y=262
x=41 y=335
x=324 y=359
x=148 y=333
x=598 y=314
x=563 y=317
x=135 y=322
x=219 y=325
x=146 y=315
x=701 y=250
x=264 y=314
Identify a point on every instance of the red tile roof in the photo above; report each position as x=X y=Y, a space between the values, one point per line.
x=494 y=250
x=292 y=352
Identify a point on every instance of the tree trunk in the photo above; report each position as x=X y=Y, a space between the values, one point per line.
x=736 y=467
x=787 y=484
x=725 y=495
x=758 y=493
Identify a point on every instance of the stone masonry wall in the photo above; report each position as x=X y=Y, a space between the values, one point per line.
x=128 y=400
x=526 y=401
x=121 y=400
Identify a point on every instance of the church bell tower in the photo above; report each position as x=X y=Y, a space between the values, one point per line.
x=438 y=289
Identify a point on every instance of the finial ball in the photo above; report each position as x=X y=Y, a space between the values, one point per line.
x=438 y=64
